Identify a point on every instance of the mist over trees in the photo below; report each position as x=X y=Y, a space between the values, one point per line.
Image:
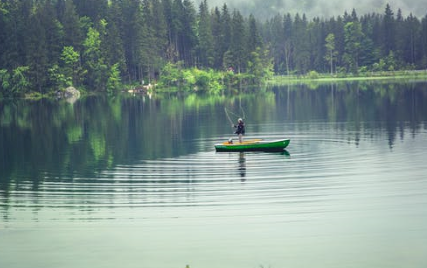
x=98 y=45
x=265 y=9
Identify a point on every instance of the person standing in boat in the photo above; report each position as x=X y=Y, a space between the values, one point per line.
x=240 y=129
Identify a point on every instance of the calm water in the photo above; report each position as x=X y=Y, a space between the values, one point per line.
x=135 y=182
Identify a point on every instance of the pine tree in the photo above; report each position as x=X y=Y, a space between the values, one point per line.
x=161 y=33
x=37 y=52
x=171 y=53
x=331 y=52
x=353 y=45
x=154 y=41
x=288 y=44
x=317 y=36
x=339 y=39
x=238 y=48
x=388 y=31
x=217 y=37
x=94 y=62
x=188 y=36
x=17 y=25
x=53 y=29
x=73 y=35
x=132 y=32
x=226 y=37
x=410 y=32
x=257 y=55
x=113 y=39
x=71 y=68
x=423 y=44
x=301 y=44
x=4 y=21
x=205 y=49
x=94 y=9
x=276 y=35
x=254 y=39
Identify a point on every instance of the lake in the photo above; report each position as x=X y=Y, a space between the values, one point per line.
x=134 y=181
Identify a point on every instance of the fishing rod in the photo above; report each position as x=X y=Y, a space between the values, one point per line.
x=236 y=115
x=228 y=116
x=243 y=113
x=227 y=113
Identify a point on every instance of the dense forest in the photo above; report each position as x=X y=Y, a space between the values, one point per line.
x=98 y=45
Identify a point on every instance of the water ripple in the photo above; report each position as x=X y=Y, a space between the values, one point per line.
x=313 y=176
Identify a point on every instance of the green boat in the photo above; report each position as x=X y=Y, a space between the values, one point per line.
x=253 y=145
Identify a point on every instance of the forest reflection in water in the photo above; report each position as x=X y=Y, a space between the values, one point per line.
x=100 y=132
x=140 y=169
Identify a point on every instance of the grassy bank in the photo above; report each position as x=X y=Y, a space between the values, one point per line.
x=314 y=77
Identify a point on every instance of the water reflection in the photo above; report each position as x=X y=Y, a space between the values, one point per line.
x=146 y=177
x=285 y=153
x=242 y=165
x=42 y=140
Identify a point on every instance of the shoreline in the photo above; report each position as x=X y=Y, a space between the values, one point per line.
x=314 y=77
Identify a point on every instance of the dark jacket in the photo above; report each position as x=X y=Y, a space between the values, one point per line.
x=240 y=128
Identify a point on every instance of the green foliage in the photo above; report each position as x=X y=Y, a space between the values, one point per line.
x=313 y=75
x=80 y=42
x=71 y=68
x=260 y=67
x=57 y=78
x=114 y=80
x=173 y=75
x=201 y=78
x=379 y=66
x=387 y=64
x=20 y=82
x=92 y=44
x=4 y=82
x=3 y=9
x=353 y=44
x=391 y=62
x=189 y=78
x=15 y=83
x=69 y=56
x=97 y=70
x=67 y=74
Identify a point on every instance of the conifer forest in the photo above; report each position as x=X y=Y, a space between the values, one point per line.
x=101 y=45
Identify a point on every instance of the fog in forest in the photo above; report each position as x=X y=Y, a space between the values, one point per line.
x=320 y=8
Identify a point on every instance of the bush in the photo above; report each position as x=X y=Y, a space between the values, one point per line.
x=202 y=79
x=313 y=75
x=15 y=82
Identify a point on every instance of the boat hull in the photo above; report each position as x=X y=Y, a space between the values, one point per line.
x=253 y=145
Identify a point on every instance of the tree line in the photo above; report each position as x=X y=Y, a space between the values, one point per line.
x=348 y=43
x=101 y=44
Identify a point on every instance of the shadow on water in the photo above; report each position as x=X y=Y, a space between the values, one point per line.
x=242 y=167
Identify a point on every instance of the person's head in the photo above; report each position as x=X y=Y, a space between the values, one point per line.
x=240 y=120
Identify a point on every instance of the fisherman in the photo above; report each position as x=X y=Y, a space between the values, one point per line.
x=240 y=129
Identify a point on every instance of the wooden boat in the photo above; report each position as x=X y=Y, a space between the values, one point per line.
x=253 y=145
